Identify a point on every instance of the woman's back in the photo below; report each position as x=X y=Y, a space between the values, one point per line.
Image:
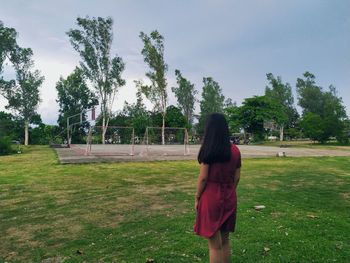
x=224 y=172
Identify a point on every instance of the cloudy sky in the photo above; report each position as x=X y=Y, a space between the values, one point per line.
x=235 y=42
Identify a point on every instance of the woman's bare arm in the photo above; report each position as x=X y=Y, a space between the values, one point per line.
x=237 y=177
x=202 y=180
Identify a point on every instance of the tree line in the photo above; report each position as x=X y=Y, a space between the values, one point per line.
x=98 y=78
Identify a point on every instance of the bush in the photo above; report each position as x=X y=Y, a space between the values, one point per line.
x=5 y=146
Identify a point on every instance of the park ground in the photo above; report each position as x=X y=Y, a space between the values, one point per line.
x=139 y=212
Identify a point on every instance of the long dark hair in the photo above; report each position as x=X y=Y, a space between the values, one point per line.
x=216 y=146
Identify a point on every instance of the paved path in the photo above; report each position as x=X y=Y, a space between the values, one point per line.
x=115 y=153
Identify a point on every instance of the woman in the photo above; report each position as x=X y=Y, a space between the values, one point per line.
x=215 y=200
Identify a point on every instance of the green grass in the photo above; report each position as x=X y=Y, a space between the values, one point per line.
x=307 y=144
x=129 y=212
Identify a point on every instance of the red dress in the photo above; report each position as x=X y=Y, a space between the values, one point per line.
x=218 y=203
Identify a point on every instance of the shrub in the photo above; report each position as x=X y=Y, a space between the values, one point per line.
x=5 y=146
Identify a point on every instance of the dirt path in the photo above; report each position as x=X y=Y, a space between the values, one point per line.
x=115 y=153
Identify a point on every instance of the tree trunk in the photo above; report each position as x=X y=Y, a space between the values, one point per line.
x=163 y=130
x=281 y=132
x=104 y=129
x=26 y=134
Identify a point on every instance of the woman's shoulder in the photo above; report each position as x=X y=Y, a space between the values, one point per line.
x=234 y=147
x=235 y=152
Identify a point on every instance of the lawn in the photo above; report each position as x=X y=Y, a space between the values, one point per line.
x=307 y=144
x=134 y=212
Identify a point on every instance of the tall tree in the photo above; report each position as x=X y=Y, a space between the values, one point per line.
x=153 y=54
x=175 y=117
x=309 y=94
x=232 y=113
x=212 y=101
x=282 y=94
x=93 y=42
x=186 y=96
x=321 y=106
x=138 y=115
x=7 y=44
x=73 y=96
x=254 y=111
x=23 y=94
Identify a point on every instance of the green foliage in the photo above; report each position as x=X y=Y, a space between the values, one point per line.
x=282 y=95
x=313 y=127
x=74 y=96
x=322 y=109
x=44 y=134
x=232 y=113
x=5 y=145
x=175 y=118
x=138 y=116
x=7 y=44
x=93 y=42
x=186 y=96
x=309 y=94
x=293 y=133
x=23 y=94
x=11 y=127
x=254 y=111
x=153 y=54
x=212 y=101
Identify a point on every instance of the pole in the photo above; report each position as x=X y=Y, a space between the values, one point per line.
x=147 y=140
x=133 y=142
x=68 y=143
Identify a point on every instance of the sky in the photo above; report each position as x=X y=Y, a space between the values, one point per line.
x=234 y=42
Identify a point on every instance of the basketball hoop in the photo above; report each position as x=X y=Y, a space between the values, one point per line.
x=269 y=125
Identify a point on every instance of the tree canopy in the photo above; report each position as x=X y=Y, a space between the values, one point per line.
x=212 y=101
x=185 y=94
x=282 y=95
x=324 y=114
x=93 y=42
x=22 y=93
x=153 y=54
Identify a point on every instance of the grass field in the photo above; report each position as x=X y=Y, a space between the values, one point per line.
x=308 y=144
x=131 y=212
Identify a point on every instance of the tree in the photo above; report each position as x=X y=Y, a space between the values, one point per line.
x=282 y=95
x=186 y=96
x=254 y=111
x=138 y=115
x=334 y=115
x=153 y=54
x=10 y=126
x=23 y=93
x=73 y=96
x=7 y=44
x=293 y=129
x=212 y=101
x=42 y=133
x=309 y=94
x=313 y=127
x=93 y=42
x=321 y=106
x=232 y=113
x=175 y=118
